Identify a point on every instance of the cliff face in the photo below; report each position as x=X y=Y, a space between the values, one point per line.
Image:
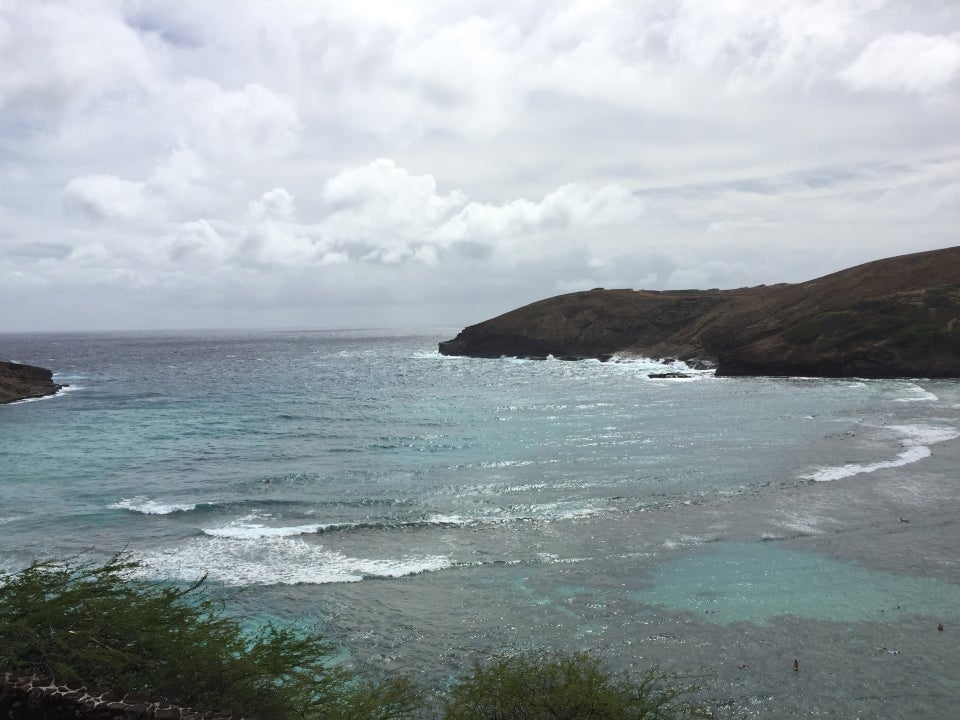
x=19 y=382
x=898 y=317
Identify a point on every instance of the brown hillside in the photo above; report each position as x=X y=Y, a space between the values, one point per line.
x=898 y=317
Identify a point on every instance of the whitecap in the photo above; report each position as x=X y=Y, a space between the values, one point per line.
x=917 y=394
x=145 y=506
x=277 y=561
x=439 y=519
x=240 y=530
x=926 y=434
x=558 y=511
x=916 y=441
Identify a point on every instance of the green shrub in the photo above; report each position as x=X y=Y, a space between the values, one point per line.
x=102 y=626
x=565 y=687
x=105 y=627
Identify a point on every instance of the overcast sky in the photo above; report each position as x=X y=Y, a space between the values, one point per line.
x=179 y=164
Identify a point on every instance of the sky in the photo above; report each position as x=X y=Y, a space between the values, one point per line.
x=302 y=163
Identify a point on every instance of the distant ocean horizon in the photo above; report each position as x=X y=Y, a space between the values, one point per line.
x=425 y=511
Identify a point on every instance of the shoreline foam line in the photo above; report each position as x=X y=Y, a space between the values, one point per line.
x=917 y=442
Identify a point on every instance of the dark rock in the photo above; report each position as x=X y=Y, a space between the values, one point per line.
x=668 y=375
x=19 y=382
x=898 y=317
x=136 y=698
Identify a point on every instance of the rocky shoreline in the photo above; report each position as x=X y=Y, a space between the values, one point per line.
x=897 y=317
x=22 y=382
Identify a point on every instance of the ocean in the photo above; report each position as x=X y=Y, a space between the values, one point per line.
x=426 y=512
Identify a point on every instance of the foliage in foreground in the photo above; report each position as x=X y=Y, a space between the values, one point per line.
x=565 y=687
x=103 y=626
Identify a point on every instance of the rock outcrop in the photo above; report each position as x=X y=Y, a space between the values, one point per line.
x=898 y=317
x=19 y=382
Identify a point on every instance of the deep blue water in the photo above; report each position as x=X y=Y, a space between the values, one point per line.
x=424 y=510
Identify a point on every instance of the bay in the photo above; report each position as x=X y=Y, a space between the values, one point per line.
x=425 y=511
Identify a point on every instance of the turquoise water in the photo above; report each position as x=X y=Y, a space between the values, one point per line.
x=423 y=510
x=738 y=582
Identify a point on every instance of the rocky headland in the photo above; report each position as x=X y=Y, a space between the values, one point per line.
x=897 y=317
x=20 y=382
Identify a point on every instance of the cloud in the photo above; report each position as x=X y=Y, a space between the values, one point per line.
x=60 y=57
x=104 y=197
x=380 y=202
x=196 y=241
x=386 y=160
x=172 y=187
x=906 y=62
x=379 y=213
x=574 y=206
x=237 y=125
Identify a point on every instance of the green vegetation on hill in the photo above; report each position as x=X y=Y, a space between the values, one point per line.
x=558 y=687
x=106 y=627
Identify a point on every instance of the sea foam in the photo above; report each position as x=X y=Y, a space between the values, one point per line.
x=278 y=561
x=917 y=394
x=918 y=437
x=245 y=529
x=145 y=506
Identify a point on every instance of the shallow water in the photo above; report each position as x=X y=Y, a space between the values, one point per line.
x=423 y=511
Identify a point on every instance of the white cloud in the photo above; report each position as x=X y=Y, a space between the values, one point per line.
x=60 y=57
x=367 y=202
x=574 y=206
x=380 y=213
x=272 y=236
x=274 y=206
x=237 y=125
x=157 y=153
x=174 y=185
x=197 y=240
x=104 y=197
x=906 y=62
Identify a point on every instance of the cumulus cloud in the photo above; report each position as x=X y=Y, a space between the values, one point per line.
x=573 y=206
x=379 y=213
x=379 y=201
